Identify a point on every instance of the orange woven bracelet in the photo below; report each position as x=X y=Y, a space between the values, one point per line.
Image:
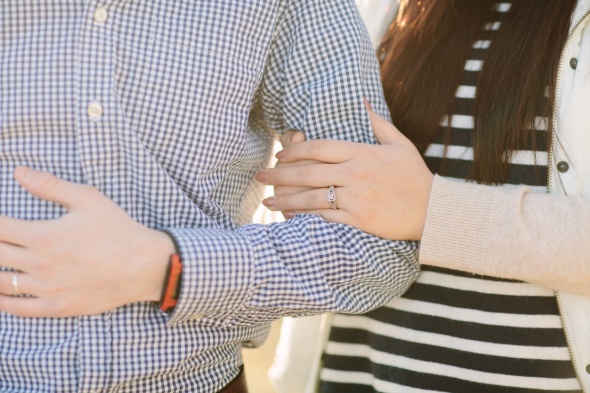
x=172 y=284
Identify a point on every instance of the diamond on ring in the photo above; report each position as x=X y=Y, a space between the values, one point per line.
x=332 y=198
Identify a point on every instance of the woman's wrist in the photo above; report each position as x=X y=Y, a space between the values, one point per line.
x=458 y=223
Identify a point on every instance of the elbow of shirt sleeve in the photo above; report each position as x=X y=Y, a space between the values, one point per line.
x=308 y=266
x=216 y=275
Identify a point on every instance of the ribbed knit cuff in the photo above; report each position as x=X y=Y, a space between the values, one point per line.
x=458 y=224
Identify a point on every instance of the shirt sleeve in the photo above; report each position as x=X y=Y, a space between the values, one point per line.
x=319 y=67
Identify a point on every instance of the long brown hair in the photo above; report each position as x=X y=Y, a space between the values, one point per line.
x=423 y=55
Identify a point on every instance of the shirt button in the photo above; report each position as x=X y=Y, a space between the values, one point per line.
x=563 y=166
x=95 y=110
x=101 y=15
x=573 y=63
x=198 y=316
x=588 y=369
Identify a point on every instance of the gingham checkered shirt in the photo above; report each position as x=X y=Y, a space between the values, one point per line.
x=168 y=107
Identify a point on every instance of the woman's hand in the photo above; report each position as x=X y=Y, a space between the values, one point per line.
x=288 y=138
x=381 y=189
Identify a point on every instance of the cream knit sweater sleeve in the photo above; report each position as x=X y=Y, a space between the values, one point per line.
x=509 y=232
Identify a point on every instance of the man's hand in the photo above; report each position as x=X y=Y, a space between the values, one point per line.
x=93 y=259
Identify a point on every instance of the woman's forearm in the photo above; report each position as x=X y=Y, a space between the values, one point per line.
x=509 y=232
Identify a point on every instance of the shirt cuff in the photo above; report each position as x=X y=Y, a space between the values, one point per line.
x=214 y=285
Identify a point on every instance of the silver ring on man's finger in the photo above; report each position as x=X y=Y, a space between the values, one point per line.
x=15 y=284
x=332 y=198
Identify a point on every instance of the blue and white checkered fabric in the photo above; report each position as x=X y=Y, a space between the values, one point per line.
x=185 y=97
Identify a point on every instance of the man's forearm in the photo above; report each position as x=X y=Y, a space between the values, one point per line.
x=302 y=267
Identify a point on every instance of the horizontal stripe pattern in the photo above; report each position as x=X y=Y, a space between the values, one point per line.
x=521 y=157
x=481 y=377
x=454 y=331
x=466 y=122
x=518 y=174
x=465 y=314
x=482 y=285
x=438 y=340
x=464 y=138
x=449 y=356
x=415 y=381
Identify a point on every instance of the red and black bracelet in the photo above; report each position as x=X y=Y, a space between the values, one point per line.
x=171 y=289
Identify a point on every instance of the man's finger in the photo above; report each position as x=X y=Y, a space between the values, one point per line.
x=326 y=150
x=14 y=283
x=26 y=307
x=18 y=232
x=46 y=186
x=15 y=257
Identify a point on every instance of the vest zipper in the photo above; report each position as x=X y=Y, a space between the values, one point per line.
x=550 y=158
x=568 y=341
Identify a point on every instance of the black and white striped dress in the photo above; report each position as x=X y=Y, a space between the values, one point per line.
x=453 y=331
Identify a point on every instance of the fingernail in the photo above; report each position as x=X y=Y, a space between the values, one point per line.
x=269 y=202
x=368 y=104
x=297 y=134
x=261 y=177
x=24 y=172
x=281 y=154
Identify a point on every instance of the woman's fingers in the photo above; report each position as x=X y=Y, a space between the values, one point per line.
x=288 y=190
x=339 y=216
x=319 y=175
x=381 y=189
x=315 y=201
x=332 y=150
x=326 y=150
x=292 y=136
x=312 y=200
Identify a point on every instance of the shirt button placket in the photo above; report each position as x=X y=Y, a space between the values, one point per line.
x=95 y=71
